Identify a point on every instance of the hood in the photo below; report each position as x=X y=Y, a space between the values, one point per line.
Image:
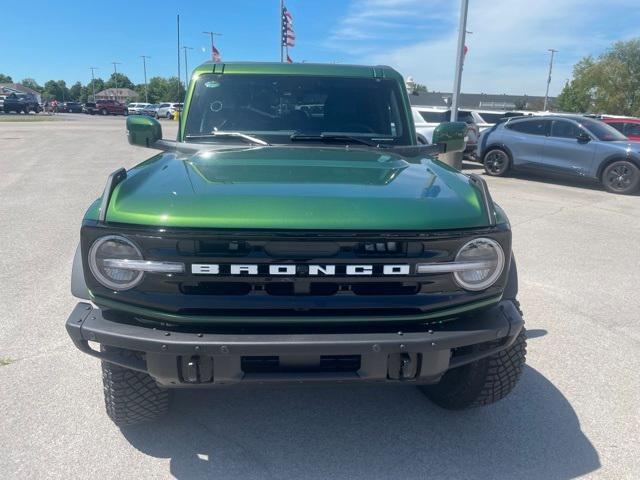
x=313 y=188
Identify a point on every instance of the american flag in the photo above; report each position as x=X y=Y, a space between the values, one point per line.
x=289 y=60
x=215 y=53
x=288 y=35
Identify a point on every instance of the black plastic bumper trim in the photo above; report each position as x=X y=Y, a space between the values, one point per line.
x=434 y=346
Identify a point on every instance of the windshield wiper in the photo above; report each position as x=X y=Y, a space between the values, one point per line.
x=325 y=137
x=214 y=134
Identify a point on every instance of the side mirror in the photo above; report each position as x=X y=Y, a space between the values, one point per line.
x=143 y=131
x=583 y=137
x=450 y=136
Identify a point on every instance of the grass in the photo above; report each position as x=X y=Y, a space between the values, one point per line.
x=6 y=361
x=26 y=118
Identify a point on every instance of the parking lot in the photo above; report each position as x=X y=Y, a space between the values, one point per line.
x=576 y=411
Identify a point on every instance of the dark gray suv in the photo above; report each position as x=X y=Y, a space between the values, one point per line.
x=563 y=144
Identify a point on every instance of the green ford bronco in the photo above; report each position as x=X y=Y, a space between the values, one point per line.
x=295 y=231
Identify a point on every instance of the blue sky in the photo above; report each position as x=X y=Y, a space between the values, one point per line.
x=507 y=50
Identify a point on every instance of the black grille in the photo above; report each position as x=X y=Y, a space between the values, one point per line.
x=323 y=363
x=300 y=294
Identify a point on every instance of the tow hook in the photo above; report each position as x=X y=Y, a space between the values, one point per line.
x=197 y=369
x=402 y=366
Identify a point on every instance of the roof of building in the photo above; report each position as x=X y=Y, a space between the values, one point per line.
x=475 y=100
x=278 y=68
x=19 y=87
x=117 y=92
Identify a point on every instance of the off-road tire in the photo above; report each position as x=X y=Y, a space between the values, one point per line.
x=621 y=176
x=497 y=162
x=132 y=397
x=482 y=382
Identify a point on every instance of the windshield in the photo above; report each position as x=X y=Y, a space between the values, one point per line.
x=601 y=130
x=274 y=107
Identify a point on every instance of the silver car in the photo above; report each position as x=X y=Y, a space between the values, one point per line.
x=562 y=144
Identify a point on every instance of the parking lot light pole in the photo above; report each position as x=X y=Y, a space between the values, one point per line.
x=186 y=68
x=546 y=95
x=115 y=72
x=93 y=82
x=462 y=31
x=144 y=66
x=211 y=35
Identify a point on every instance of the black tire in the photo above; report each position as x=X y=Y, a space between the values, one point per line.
x=132 y=397
x=496 y=162
x=482 y=382
x=168 y=115
x=621 y=176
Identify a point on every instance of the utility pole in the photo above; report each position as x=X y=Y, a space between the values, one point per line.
x=211 y=34
x=115 y=78
x=144 y=66
x=93 y=81
x=457 y=81
x=546 y=95
x=186 y=67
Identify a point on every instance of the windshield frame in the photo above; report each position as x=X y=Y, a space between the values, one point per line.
x=406 y=137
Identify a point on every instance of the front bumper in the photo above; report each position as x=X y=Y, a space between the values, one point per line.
x=191 y=359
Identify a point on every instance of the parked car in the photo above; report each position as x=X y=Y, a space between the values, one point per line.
x=106 y=107
x=488 y=118
x=564 y=144
x=70 y=107
x=628 y=126
x=21 y=102
x=150 y=110
x=166 y=110
x=426 y=119
x=135 y=108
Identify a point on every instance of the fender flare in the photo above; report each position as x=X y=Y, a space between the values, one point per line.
x=614 y=158
x=78 y=285
x=511 y=288
x=500 y=146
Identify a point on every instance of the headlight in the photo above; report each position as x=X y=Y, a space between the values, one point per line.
x=484 y=260
x=114 y=247
x=117 y=263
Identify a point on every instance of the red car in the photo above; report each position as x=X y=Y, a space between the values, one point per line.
x=628 y=126
x=105 y=107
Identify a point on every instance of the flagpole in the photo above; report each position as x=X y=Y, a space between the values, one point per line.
x=179 y=70
x=281 y=32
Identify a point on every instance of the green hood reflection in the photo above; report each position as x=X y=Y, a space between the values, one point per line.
x=296 y=188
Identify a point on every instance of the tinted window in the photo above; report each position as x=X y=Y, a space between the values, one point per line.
x=532 y=127
x=492 y=117
x=275 y=106
x=465 y=116
x=565 y=129
x=435 y=117
x=617 y=125
x=601 y=130
x=632 y=129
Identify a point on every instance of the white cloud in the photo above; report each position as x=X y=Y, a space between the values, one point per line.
x=507 y=51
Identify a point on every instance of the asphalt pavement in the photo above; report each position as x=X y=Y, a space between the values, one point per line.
x=576 y=411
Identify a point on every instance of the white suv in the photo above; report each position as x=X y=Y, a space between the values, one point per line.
x=426 y=119
x=167 y=110
x=136 y=108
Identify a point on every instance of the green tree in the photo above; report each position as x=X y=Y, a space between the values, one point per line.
x=607 y=84
x=122 y=81
x=163 y=90
x=55 y=90
x=31 y=83
x=75 y=92
x=5 y=78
